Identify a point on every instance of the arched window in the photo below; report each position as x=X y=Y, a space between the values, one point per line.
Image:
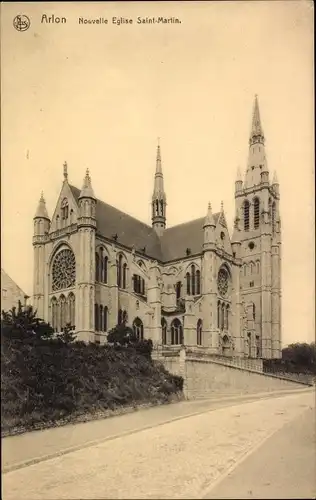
x=100 y=318
x=254 y=311
x=120 y=317
x=63 y=270
x=71 y=310
x=96 y=318
x=105 y=319
x=138 y=284
x=256 y=213
x=63 y=312
x=119 y=271
x=164 y=331
x=199 y=332
x=258 y=267
x=105 y=270
x=54 y=312
x=178 y=290
x=246 y=215
x=97 y=267
x=161 y=207
x=226 y=322
x=273 y=217
x=193 y=279
x=198 y=282
x=218 y=314
x=64 y=209
x=251 y=267
x=157 y=207
x=124 y=275
x=188 y=278
x=223 y=317
x=138 y=328
x=176 y=332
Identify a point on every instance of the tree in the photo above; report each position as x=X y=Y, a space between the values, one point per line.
x=122 y=335
x=68 y=335
x=22 y=323
x=300 y=355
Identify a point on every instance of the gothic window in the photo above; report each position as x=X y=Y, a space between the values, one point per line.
x=223 y=317
x=54 y=312
x=226 y=325
x=218 y=314
x=105 y=270
x=157 y=207
x=258 y=267
x=63 y=270
x=176 y=332
x=97 y=267
x=138 y=284
x=251 y=267
x=63 y=312
x=119 y=271
x=64 y=209
x=199 y=332
x=188 y=279
x=164 y=331
x=193 y=279
x=138 y=328
x=246 y=215
x=245 y=269
x=222 y=282
x=96 y=318
x=71 y=310
x=57 y=222
x=254 y=311
x=178 y=290
x=124 y=275
x=198 y=282
x=256 y=213
x=273 y=217
x=119 y=317
x=161 y=207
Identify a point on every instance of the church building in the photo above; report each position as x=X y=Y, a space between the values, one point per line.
x=191 y=284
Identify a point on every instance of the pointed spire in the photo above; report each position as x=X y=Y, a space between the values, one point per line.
x=41 y=211
x=87 y=191
x=239 y=175
x=65 y=171
x=159 y=192
x=209 y=219
x=222 y=206
x=256 y=127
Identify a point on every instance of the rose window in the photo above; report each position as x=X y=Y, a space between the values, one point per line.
x=64 y=270
x=222 y=282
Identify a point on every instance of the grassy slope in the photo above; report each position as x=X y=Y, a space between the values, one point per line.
x=47 y=381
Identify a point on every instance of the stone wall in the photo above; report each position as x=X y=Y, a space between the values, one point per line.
x=206 y=377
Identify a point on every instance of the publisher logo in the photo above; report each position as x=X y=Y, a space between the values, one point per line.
x=21 y=22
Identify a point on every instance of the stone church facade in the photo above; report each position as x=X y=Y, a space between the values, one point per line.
x=190 y=284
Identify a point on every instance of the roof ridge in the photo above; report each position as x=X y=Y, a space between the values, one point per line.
x=189 y=222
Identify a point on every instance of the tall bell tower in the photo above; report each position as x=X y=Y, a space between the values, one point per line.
x=258 y=220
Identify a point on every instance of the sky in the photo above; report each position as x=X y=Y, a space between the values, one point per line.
x=99 y=96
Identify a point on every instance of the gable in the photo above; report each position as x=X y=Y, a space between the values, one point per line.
x=222 y=237
x=65 y=194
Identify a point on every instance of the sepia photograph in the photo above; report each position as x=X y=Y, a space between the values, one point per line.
x=158 y=250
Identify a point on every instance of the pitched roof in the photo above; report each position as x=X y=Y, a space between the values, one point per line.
x=176 y=239
x=132 y=232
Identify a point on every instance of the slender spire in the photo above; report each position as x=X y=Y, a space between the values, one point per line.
x=41 y=211
x=65 y=171
x=222 y=206
x=159 y=197
x=256 y=134
x=87 y=191
x=257 y=168
x=238 y=176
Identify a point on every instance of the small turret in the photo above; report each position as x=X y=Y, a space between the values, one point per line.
x=275 y=183
x=235 y=242
x=41 y=219
x=238 y=182
x=87 y=203
x=209 y=229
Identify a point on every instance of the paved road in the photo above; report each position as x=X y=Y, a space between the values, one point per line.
x=186 y=458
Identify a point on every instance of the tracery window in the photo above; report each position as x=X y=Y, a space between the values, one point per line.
x=101 y=266
x=63 y=270
x=100 y=318
x=176 y=332
x=121 y=272
x=138 y=328
x=222 y=282
x=246 y=215
x=193 y=279
x=199 y=332
x=256 y=213
x=138 y=284
x=71 y=309
x=178 y=290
